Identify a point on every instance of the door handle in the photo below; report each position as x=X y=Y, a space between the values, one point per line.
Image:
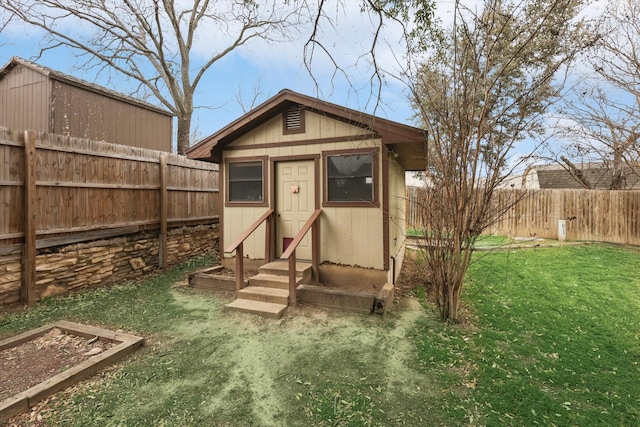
x=278 y=215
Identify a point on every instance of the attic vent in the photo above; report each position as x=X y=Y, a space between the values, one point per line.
x=294 y=120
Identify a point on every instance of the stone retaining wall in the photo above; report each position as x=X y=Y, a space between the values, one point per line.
x=100 y=262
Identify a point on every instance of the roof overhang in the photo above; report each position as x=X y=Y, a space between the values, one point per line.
x=407 y=143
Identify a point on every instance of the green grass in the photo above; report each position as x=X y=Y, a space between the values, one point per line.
x=146 y=306
x=553 y=339
x=558 y=338
x=202 y=365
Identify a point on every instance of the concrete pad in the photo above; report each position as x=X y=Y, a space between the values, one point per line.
x=345 y=299
x=347 y=277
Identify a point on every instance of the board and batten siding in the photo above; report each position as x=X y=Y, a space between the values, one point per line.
x=24 y=100
x=84 y=114
x=316 y=126
x=349 y=235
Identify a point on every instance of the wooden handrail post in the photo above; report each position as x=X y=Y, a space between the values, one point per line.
x=239 y=268
x=315 y=246
x=290 y=253
x=238 y=245
x=267 y=239
x=293 y=300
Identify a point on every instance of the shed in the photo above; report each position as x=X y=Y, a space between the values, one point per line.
x=320 y=183
x=44 y=100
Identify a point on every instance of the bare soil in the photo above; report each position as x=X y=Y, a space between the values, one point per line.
x=32 y=362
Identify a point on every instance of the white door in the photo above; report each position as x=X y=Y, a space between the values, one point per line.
x=295 y=202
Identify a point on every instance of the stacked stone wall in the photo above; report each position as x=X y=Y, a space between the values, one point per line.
x=100 y=262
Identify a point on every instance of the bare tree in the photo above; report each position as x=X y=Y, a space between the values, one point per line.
x=250 y=101
x=416 y=18
x=603 y=113
x=482 y=91
x=152 y=42
x=5 y=19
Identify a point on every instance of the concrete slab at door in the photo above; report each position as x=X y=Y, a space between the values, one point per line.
x=295 y=202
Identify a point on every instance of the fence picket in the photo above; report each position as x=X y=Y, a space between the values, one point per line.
x=85 y=185
x=593 y=215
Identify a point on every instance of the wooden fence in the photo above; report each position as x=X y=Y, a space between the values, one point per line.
x=57 y=190
x=590 y=215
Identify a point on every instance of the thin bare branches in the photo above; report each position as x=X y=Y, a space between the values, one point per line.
x=152 y=42
x=485 y=90
x=601 y=116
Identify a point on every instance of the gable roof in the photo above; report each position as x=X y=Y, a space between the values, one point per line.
x=598 y=174
x=407 y=141
x=83 y=84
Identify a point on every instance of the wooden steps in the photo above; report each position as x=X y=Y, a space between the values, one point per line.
x=267 y=293
x=261 y=308
x=270 y=281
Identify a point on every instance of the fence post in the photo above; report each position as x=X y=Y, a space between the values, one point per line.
x=164 y=206
x=28 y=291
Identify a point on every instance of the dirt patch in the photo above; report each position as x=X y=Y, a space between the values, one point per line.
x=30 y=363
x=411 y=277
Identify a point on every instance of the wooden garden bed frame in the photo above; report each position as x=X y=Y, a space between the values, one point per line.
x=21 y=402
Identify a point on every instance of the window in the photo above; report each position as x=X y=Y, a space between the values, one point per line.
x=245 y=181
x=350 y=179
x=293 y=120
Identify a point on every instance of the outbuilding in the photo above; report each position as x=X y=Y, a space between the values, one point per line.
x=315 y=193
x=38 y=98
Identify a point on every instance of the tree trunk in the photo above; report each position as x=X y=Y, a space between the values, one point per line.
x=617 y=178
x=454 y=303
x=184 y=133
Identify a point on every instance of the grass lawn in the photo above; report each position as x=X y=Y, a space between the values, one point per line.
x=553 y=338
x=558 y=338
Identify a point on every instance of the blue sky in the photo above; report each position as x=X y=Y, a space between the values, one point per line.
x=270 y=67
x=259 y=66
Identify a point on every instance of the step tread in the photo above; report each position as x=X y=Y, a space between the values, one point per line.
x=272 y=277
x=266 y=309
x=263 y=290
x=281 y=267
